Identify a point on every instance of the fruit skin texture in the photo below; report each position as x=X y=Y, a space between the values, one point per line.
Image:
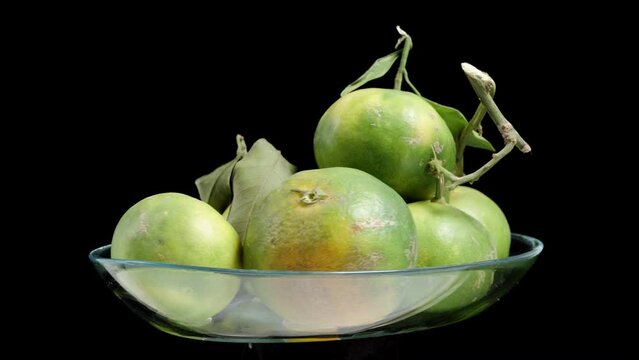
x=179 y=229
x=486 y=211
x=333 y=219
x=176 y=228
x=387 y=133
x=448 y=236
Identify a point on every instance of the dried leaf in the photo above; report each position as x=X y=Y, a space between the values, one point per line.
x=260 y=171
x=215 y=188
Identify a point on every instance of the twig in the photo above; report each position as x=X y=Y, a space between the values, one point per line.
x=480 y=81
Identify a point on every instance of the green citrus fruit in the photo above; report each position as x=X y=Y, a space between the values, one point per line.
x=179 y=229
x=176 y=228
x=333 y=219
x=482 y=208
x=388 y=133
x=448 y=236
x=185 y=297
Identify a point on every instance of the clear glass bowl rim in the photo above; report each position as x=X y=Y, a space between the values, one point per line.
x=535 y=245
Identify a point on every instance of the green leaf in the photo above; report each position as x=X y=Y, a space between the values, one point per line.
x=215 y=188
x=457 y=122
x=261 y=170
x=379 y=68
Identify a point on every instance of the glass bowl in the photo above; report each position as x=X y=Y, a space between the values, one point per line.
x=237 y=305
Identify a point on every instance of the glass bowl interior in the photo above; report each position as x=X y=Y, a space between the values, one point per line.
x=239 y=305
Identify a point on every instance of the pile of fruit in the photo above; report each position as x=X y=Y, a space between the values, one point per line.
x=387 y=194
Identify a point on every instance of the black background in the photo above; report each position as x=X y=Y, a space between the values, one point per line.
x=159 y=96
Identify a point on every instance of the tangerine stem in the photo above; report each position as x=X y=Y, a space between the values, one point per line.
x=474 y=176
x=440 y=189
x=480 y=81
x=410 y=83
x=408 y=44
x=473 y=124
x=435 y=167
